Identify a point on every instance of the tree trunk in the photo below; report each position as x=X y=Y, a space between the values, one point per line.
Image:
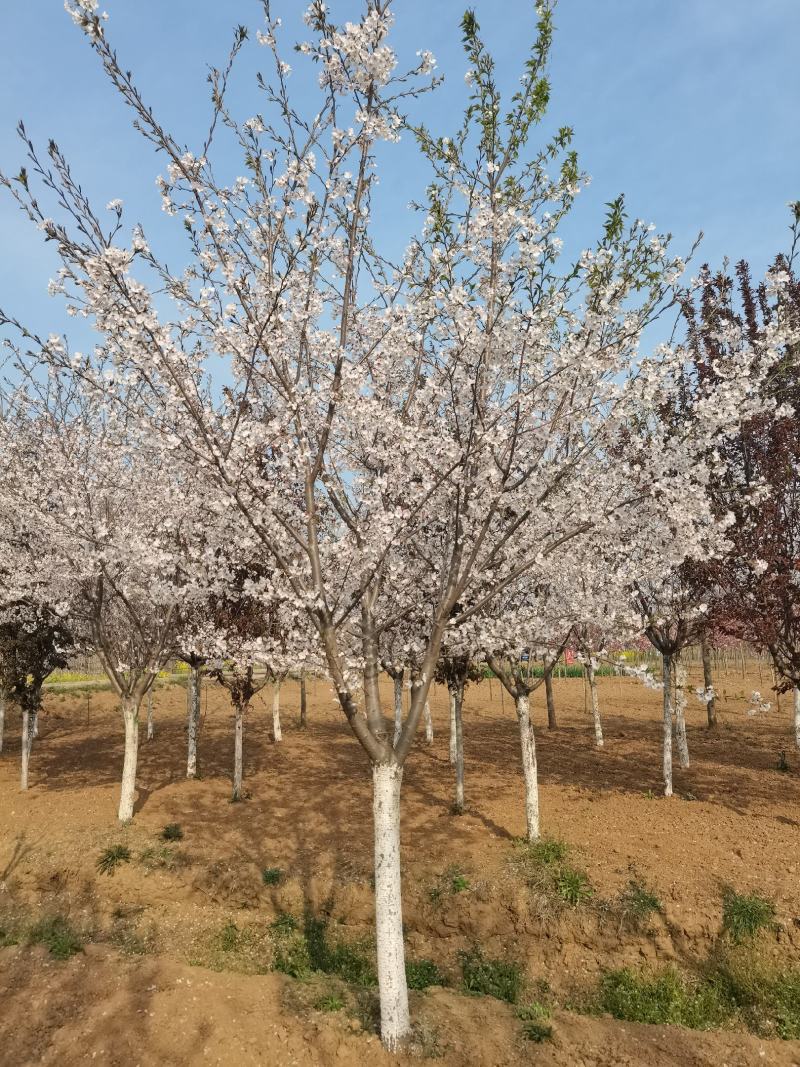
x=667 y=680
x=276 y=711
x=192 y=721
x=303 y=705
x=797 y=717
x=34 y=725
x=151 y=732
x=238 y=736
x=598 y=725
x=453 y=746
x=529 y=771
x=680 y=720
x=25 y=749
x=428 y=725
x=398 y=705
x=552 y=724
x=458 y=807
x=393 y=991
x=2 y=718
x=130 y=716
x=708 y=683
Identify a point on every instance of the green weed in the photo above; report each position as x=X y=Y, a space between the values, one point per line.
x=172 y=832
x=423 y=973
x=501 y=979
x=271 y=875
x=743 y=915
x=58 y=937
x=111 y=858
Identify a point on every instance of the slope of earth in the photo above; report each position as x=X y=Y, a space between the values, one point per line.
x=204 y=909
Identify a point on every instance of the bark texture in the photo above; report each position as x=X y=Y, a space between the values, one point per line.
x=595 y=699
x=192 y=722
x=428 y=724
x=277 y=735
x=552 y=723
x=708 y=683
x=666 y=662
x=238 y=739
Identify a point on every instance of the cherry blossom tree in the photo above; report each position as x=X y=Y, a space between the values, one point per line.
x=462 y=398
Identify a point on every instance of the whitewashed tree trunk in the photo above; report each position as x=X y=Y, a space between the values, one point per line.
x=193 y=721
x=238 y=736
x=529 y=769
x=398 y=706
x=598 y=724
x=667 y=754
x=25 y=750
x=34 y=725
x=151 y=730
x=428 y=724
x=276 y=711
x=453 y=746
x=393 y=991
x=2 y=718
x=459 y=707
x=130 y=715
x=797 y=717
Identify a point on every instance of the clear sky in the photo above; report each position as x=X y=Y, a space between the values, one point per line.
x=690 y=107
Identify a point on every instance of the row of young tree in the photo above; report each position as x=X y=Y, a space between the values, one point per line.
x=296 y=454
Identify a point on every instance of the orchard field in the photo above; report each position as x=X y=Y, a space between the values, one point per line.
x=245 y=934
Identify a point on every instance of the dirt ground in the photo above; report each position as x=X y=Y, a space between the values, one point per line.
x=176 y=966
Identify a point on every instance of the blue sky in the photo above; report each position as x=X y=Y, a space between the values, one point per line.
x=688 y=106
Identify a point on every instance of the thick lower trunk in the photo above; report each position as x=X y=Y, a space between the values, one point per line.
x=303 y=702
x=459 y=706
x=797 y=717
x=708 y=684
x=428 y=724
x=34 y=725
x=598 y=724
x=130 y=716
x=151 y=730
x=667 y=724
x=392 y=988
x=2 y=718
x=25 y=749
x=276 y=711
x=529 y=770
x=238 y=738
x=680 y=718
x=192 y=722
x=551 y=704
x=398 y=706
x=453 y=746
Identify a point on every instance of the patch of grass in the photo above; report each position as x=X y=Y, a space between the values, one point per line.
x=291 y=955
x=285 y=923
x=348 y=960
x=743 y=914
x=172 y=832
x=271 y=875
x=453 y=880
x=766 y=999
x=329 y=1002
x=423 y=973
x=546 y=852
x=58 y=937
x=111 y=857
x=228 y=938
x=501 y=979
x=160 y=857
x=458 y=882
x=535 y=1022
x=637 y=903
x=661 y=997
x=573 y=886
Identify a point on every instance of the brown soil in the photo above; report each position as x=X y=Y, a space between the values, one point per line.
x=158 y=983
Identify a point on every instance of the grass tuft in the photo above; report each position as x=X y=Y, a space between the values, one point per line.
x=111 y=858
x=271 y=875
x=661 y=997
x=420 y=974
x=172 y=832
x=501 y=979
x=57 y=936
x=329 y=1002
x=743 y=915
